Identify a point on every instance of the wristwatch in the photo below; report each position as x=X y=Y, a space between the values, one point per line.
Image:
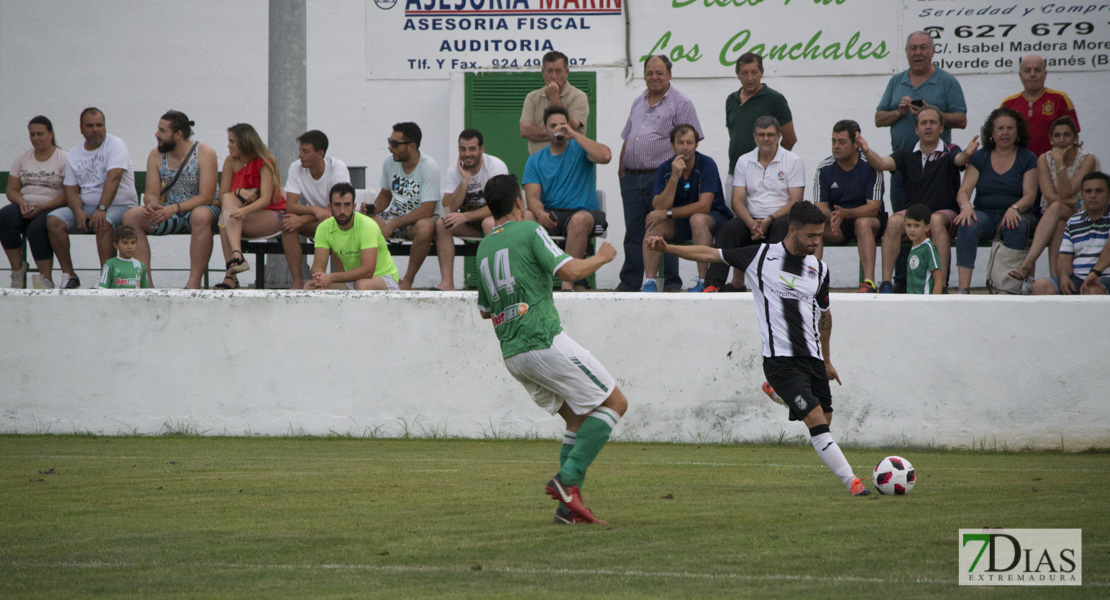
x=670 y=213
x=102 y=207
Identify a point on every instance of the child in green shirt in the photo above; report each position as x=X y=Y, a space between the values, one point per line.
x=923 y=266
x=124 y=271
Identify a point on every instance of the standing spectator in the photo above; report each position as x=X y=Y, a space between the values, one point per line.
x=406 y=205
x=647 y=135
x=1004 y=176
x=125 y=271
x=358 y=242
x=34 y=190
x=560 y=185
x=923 y=275
x=467 y=213
x=306 y=197
x=689 y=204
x=766 y=183
x=1060 y=171
x=100 y=187
x=1084 y=244
x=253 y=204
x=180 y=199
x=850 y=192
x=751 y=101
x=922 y=85
x=1040 y=105
x=555 y=92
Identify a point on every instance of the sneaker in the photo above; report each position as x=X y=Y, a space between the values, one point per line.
x=698 y=288
x=770 y=391
x=564 y=517
x=866 y=287
x=47 y=284
x=858 y=489
x=19 y=277
x=1027 y=286
x=650 y=287
x=70 y=282
x=886 y=287
x=572 y=499
x=710 y=289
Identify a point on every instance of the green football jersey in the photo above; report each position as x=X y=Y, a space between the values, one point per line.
x=123 y=274
x=923 y=260
x=516 y=262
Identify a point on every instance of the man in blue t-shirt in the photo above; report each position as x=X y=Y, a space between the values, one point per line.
x=849 y=191
x=560 y=187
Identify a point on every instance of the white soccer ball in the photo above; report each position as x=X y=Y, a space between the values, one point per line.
x=894 y=476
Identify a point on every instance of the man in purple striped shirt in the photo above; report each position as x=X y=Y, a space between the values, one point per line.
x=647 y=144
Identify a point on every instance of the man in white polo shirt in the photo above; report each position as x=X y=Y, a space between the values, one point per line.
x=766 y=182
x=306 y=197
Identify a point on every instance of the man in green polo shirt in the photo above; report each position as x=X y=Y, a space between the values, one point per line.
x=358 y=241
x=751 y=101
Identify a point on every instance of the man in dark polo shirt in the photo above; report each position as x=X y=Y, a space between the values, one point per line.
x=931 y=171
x=751 y=101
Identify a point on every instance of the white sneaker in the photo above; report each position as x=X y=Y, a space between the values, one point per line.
x=69 y=282
x=1027 y=286
x=47 y=284
x=19 y=277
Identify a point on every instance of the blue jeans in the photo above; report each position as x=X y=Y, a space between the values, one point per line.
x=636 y=193
x=967 y=240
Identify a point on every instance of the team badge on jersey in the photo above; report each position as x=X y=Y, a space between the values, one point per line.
x=1048 y=108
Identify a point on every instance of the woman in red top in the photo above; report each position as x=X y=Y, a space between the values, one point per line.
x=250 y=174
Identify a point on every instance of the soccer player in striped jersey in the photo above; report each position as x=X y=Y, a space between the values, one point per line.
x=791 y=288
x=516 y=262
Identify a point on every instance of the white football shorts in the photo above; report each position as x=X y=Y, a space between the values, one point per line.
x=565 y=372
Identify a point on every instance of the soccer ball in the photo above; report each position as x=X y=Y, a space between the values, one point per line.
x=894 y=475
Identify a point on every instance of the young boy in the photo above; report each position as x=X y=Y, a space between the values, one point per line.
x=124 y=271
x=923 y=273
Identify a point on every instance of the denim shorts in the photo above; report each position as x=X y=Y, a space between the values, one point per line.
x=1077 y=282
x=115 y=215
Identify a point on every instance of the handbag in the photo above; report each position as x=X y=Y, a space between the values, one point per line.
x=166 y=188
x=1002 y=261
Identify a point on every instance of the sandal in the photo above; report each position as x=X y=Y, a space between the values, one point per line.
x=237 y=264
x=234 y=285
x=1020 y=274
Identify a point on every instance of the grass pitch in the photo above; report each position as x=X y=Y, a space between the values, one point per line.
x=187 y=517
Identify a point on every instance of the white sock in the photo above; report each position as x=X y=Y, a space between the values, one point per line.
x=569 y=437
x=829 y=453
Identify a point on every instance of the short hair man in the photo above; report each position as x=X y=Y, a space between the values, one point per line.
x=752 y=101
x=1084 y=242
x=180 y=199
x=766 y=182
x=100 y=187
x=560 y=185
x=467 y=213
x=306 y=196
x=654 y=114
x=689 y=203
x=1040 y=105
x=931 y=171
x=561 y=376
x=406 y=205
x=791 y=288
x=850 y=192
x=555 y=92
x=358 y=242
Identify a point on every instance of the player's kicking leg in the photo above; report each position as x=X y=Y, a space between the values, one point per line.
x=591 y=435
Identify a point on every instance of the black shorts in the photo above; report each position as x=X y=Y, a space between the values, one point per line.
x=562 y=218
x=800 y=382
x=848 y=228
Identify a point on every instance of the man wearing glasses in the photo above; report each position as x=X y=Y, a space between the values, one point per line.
x=406 y=205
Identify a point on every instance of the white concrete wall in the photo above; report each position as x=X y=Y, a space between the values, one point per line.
x=944 y=371
x=208 y=58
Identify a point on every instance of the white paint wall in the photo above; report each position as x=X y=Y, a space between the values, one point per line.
x=943 y=371
x=208 y=58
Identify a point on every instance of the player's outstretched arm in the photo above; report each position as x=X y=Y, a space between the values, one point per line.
x=581 y=268
x=695 y=253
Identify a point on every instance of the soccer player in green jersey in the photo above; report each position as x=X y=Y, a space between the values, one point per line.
x=124 y=271
x=516 y=261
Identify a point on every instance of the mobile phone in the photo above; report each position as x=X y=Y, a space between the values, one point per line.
x=918 y=103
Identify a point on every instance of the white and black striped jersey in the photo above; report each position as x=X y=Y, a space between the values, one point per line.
x=788 y=291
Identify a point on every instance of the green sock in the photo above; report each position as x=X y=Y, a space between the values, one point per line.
x=592 y=436
x=564 y=451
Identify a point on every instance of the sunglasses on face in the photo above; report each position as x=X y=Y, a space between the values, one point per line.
x=394 y=143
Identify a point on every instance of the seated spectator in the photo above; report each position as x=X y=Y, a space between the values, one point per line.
x=931 y=174
x=125 y=271
x=180 y=199
x=306 y=197
x=1059 y=170
x=253 y=204
x=1084 y=244
x=34 y=190
x=766 y=182
x=560 y=186
x=406 y=205
x=1003 y=175
x=100 y=187
x=358 y=242
x=923 y=272
x=467 y=213
x=689 y=203
x=850 y=193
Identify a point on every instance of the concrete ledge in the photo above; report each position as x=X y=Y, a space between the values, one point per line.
x=979 y=371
